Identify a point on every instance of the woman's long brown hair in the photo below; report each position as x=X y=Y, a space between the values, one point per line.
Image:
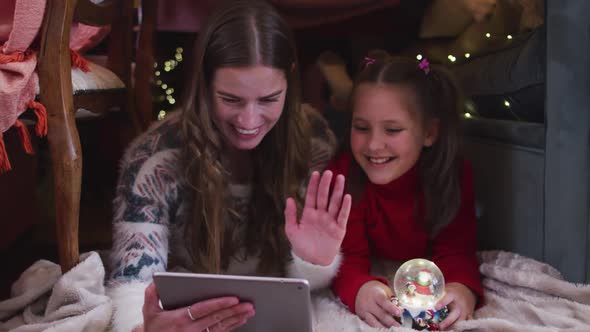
x=242 y=33
x=438 y=98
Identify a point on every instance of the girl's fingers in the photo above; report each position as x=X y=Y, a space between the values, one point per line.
x=451 y=318
x=370 y=319
x=344 y=211
x=312 y=190
x=324 y=191
x=446 y=300
x=336 y=198
x=385 y=318
x=390 y=308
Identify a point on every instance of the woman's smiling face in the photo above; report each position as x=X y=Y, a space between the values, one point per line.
x=247 y=103
x=388 y=133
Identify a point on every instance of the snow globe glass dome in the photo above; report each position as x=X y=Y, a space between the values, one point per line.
x=418 y=284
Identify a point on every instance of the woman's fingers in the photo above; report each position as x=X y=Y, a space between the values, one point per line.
x=390 y=308
x=221 y=320
x=290 y=217
x=207 y=307
x=324 y=191
x=344 y=211
x=231 y=325
x=151 y=300
x=312 y=190
x=336 y=197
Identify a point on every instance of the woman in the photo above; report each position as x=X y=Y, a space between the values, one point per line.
x=216 y=187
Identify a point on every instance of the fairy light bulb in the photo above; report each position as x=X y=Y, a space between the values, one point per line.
x=509 y=37
x=467 y=55
x=506 y=103
x=419 y=57
x=488 y=35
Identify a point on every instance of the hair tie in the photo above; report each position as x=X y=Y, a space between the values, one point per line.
x=368 y=61
x=425 y=66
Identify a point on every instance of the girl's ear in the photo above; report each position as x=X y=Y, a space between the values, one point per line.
x=431 y=134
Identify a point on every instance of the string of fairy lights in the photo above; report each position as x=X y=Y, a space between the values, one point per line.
x=470 y=109
x=165 y=93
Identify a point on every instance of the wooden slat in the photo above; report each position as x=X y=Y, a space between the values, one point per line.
x=54 y=69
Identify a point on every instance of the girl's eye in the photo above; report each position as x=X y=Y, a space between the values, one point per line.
x=360 y=128
x=393 y=130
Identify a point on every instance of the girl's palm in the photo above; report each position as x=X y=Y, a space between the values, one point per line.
x=317 y=237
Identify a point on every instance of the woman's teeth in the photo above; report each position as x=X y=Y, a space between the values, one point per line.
x=247 y=131
x=379 y=160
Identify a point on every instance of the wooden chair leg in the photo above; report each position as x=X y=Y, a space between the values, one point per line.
x=66 y=157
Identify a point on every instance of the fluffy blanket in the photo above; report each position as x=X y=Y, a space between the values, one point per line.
x=45 y=300
x=521 y=295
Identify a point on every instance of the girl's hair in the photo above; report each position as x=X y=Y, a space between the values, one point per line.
x=241 y=33
x=438 y=99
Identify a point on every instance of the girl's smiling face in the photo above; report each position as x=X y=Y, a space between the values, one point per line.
x=388 y=131
x=247 y=103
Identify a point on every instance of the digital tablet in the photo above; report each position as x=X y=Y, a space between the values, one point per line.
x=281 y=304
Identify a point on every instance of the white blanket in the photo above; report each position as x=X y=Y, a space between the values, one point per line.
x=45 y=300
x=521 y=295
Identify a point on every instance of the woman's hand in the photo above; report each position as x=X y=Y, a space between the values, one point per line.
x=373 y=305
x=461 y=302
x=214 y=315
x=317 y=237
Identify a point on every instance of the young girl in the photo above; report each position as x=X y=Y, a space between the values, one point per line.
x=412 y=193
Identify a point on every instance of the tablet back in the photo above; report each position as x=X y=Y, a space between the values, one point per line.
x=281 y=304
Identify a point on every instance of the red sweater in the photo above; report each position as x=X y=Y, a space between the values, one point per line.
x=383 y=224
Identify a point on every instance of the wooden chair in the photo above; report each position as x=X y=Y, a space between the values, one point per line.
x=62 y=101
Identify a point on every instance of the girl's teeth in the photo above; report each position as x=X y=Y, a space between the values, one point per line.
x=378 y=160
x=246 y=131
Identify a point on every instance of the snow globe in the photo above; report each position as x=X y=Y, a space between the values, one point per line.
x=418 y=285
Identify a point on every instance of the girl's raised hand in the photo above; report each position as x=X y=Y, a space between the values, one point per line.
x=461 y=302
x=317 y=236
x=214 y=315
x=373 y=305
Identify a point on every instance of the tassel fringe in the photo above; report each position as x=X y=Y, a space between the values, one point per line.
x=4 y=162
x=25 y=138
x=79 y=62
x=41 y=113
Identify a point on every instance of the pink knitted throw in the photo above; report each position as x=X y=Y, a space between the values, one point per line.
x=20 y=21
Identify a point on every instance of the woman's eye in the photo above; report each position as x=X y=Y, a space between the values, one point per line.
x=230 y=100
x=268 y=101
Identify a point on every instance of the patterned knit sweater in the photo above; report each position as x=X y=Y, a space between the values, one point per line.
x=150 y=214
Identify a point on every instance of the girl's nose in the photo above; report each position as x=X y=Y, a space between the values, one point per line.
x=375 y=142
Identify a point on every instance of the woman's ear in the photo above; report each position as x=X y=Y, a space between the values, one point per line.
x=431 y=133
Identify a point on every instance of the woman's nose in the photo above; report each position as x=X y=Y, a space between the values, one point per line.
x=248 y=116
